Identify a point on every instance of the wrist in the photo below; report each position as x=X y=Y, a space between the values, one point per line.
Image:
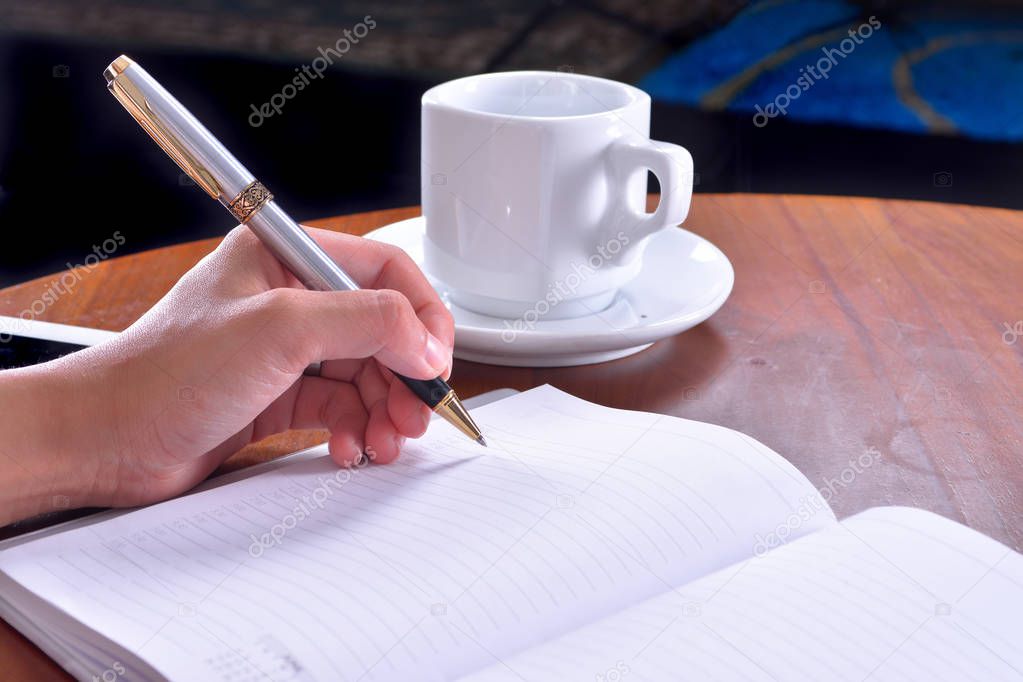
x=44 y=458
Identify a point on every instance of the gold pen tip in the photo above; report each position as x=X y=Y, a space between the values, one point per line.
x=116 y=68
x=454 y=412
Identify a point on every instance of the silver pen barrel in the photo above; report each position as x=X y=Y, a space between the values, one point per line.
x=298 y=251
x=177 y=131
x=222 y=176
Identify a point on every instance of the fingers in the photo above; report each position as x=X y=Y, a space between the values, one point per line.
x=367 y=416
x=242 y=261
x=244 y=266
x=337 y=407
x=408 y=413
x=383 y=439
x=389 y=426
x=309 y=326
x=376 y=265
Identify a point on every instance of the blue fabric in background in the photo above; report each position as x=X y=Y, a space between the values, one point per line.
x=976 y=82
x=979 y=87
x=752 y=34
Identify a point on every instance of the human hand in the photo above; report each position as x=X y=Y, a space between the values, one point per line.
x=219 y=361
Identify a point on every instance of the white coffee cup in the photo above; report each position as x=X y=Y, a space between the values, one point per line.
x=534 y=190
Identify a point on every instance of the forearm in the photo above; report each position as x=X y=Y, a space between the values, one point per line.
x=41 y=469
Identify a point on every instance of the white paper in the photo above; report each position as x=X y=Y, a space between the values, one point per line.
x=434 y=566
x=889 y=594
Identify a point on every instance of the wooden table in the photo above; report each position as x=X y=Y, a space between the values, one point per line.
x=859 y=330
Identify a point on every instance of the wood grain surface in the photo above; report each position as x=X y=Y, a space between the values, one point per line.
x=872 y=343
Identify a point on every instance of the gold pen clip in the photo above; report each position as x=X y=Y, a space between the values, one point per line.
x=132 y=99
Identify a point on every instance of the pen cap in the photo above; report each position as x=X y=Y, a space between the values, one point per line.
x=170 y=124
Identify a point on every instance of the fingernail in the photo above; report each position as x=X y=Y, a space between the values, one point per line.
x=436 y=353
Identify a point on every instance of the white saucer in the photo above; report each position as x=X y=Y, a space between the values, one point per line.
x=685 y=279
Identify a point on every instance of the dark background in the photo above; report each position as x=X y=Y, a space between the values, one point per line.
x=75 y=168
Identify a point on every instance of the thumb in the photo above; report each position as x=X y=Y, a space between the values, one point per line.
x=334 y=325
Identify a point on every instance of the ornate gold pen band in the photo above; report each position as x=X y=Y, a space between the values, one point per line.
x=254 y=197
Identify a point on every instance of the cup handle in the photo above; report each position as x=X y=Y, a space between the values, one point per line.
x=673 y=167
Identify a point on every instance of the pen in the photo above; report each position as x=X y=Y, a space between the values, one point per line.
x=214 y=169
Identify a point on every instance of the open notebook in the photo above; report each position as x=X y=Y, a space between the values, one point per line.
x=587 y=543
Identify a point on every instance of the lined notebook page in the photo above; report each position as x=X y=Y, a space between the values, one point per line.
x=437 y=565
x=889 y=594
